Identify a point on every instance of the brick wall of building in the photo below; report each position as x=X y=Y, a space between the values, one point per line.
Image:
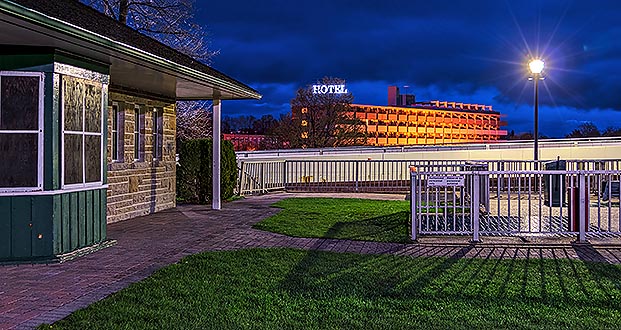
x=147 y=185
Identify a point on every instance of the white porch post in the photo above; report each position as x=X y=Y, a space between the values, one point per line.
x=215 y=204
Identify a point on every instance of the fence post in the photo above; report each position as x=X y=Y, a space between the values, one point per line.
x=284 y=175
x=474 y=207
x=356 y=173
x=263 y=177
x=242 y=178
x=413 y=206
x=583 y=207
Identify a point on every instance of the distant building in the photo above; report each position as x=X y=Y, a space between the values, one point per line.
x=395 y=98
x=407 y=122
x=245 y=142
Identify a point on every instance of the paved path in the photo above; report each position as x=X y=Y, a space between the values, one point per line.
x=35 y=294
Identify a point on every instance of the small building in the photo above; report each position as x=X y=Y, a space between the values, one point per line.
x=87 y=125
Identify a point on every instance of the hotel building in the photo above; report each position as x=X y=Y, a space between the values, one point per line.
x=407 y=122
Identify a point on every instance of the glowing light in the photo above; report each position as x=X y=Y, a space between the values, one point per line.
x=536 y=66
x=329 y=89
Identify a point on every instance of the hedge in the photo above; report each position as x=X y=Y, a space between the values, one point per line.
x=194 y=172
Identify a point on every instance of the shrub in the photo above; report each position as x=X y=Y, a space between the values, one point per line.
x=194 y=172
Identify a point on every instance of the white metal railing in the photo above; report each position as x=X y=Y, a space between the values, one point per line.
x=260 y=177
x=375 y=175
x=476 y=201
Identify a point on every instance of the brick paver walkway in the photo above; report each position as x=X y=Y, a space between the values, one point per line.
x=35 y=294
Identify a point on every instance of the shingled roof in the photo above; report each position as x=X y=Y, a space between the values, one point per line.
x=73 y=12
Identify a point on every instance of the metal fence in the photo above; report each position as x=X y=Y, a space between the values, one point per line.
x=470 y=199
x=260 y=177
x=377 y=175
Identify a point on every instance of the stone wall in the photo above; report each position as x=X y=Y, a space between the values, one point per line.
x=140 y=187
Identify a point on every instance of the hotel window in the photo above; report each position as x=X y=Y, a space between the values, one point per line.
x=82 y=104
x=21 y=131
x=118 y=132
x=158 y=133
x=138 y=134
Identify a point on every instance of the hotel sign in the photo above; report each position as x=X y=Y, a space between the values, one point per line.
x=329 y=89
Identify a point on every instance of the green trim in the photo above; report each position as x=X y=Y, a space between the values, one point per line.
x=26 y=62
x=34 y=58
x=59 y=26
x=51 y=129
x=104 y=134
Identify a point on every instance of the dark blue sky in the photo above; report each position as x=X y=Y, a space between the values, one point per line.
x=467 y=51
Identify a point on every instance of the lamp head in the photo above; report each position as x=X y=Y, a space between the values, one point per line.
x=536 y=66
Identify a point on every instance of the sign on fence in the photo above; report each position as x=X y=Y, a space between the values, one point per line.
x=445 y=181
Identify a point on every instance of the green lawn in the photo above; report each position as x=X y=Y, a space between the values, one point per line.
x=356 y=219
x=295 y=289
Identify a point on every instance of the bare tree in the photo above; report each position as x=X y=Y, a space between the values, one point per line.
x=324 y=120
x=612 y=131
x=587 y=129
x=286 y=134
x=172 y=23
x=264 y=125
x=193 y=120
x=169 y=21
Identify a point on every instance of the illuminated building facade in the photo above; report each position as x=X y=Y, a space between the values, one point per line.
x=432 y=122
x=245 y=142
x=407 y=122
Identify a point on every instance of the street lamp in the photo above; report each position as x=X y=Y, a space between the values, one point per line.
x=536 y=67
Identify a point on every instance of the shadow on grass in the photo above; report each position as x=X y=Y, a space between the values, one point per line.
x=520 y=275
x=488 y=276
x=387 y=228
x=319 y=273
x=597 y=266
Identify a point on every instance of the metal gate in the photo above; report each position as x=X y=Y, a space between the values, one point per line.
x=469 y=199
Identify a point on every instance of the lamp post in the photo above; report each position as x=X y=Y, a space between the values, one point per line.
x=536 y=67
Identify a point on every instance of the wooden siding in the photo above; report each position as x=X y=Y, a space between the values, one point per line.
x=41 y=227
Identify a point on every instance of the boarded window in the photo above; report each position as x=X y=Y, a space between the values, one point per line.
x=18 y=167
x=73 y=158
x=20 y=103
x=92 y=109
x=20 y=131
x=82 y=111
x=93 y=158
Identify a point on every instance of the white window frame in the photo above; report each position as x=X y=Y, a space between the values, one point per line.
x=158 y=123
x=39 y=132
x=83 y=133
x=139 y=123
x=118 y=117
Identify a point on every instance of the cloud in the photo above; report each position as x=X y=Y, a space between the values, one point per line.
x=471 y=51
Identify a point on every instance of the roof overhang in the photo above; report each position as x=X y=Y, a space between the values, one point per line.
x=130 y=67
